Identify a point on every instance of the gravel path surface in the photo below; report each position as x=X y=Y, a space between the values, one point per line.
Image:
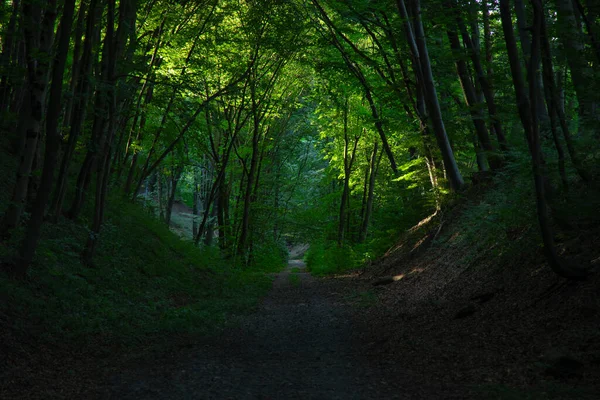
x=300 y=344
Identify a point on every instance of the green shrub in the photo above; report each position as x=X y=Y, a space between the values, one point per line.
x=324 y=258
x=269 y=256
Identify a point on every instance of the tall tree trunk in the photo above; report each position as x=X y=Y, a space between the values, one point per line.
x=97 y=141
x=524 y=28
x=103 y=128
x=53 y=139
x=581 y=71
x=418 y=102
x=9 y=47
x=528 y=115
x=418 y=46
x=82 y=92
x=39 y=35
x=75 y=67
x=115 y=46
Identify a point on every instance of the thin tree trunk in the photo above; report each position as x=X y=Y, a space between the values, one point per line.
x=349 y=156
x=472 y=102
x=75 y=67
x=555 y=110
x=103 y=126
x=484 y=79
x=245 y=227
x=589 y=21
x=161 y=213
x=373 y=167
x=524 y=27
x=176 y=175
x=357 y=72
x=195 y=201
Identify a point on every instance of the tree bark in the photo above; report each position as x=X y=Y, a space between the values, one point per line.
x=484 y=78
x=581 y=72
x=175 y=176
x=82 y=92
x=472 y=102
x=7 y=58
x=555 y=110
x=418 y=46
x=528 y=115
x=373 y=167
x=348 y=163
x=53 y=139
x=39 y=35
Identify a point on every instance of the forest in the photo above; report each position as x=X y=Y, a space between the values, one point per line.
x=177 y=170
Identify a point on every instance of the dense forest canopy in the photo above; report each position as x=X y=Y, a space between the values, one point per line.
x=338 y=122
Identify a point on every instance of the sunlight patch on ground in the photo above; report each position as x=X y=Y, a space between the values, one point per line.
x=423 y=222
x=350 y=275
x=411 y=230
x=393 y=249
x=419 y=243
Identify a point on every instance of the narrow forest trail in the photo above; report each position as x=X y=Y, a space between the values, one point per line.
x=299 y=344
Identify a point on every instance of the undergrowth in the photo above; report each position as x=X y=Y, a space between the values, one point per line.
x=494 y=219
x=499 y=219
x=324 y=258
x=146 y=284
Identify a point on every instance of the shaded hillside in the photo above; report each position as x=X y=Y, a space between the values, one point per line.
x=67 y=324
x=464 y=300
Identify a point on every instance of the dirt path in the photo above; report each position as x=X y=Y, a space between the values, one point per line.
x=300 y=344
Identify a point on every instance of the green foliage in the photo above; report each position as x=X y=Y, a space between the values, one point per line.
x=323 y=258
x=146 y=284
x=269 y=256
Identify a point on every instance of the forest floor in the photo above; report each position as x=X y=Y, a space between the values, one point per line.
x=304 y=342
x=435 y=318
x=344 y=338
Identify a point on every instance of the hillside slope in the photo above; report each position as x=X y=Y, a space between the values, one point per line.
x=466 y=297
x=148 y=290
